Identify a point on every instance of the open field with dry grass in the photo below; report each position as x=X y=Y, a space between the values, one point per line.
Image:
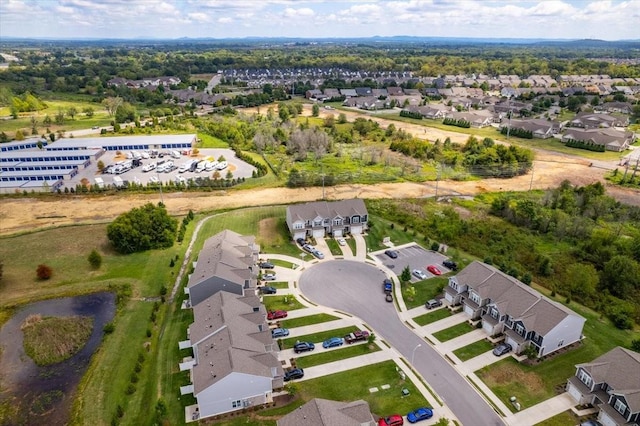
x=50 y=340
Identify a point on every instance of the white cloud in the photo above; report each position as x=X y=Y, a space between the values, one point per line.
x=225 y=20
x=199 y=17
x=303 y=13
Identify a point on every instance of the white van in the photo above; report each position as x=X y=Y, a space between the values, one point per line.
x=221 y=165
x=211 y=165
x=175 y=154
x=201 y=166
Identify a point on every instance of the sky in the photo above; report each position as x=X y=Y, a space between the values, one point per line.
x=169 y=19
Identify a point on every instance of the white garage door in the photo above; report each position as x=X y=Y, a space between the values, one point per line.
x=318 y=233
x=356 y=229
x=337 y=233
x=574 y=392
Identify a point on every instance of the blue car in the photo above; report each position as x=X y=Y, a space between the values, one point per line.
x=279 y=332
x=420 y=414
x=334 y=341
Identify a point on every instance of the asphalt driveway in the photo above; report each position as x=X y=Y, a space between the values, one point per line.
x=356 y=288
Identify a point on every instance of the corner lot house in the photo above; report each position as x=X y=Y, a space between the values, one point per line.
x=505 y=305
x=234 y=363
x=323 y=412
x=225 y=263
x=322 y=218
x=612 y=384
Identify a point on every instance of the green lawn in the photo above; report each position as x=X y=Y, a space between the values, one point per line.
x=381 y=229
x=355 y=384
x=506 y=378
x=453 y=332
x=334 y=247
x=352 y=245
x=318 y=337
x=279 y=284
x=209 y=141
x=286 y=302
x=346 y=351
x=434 y=316
x=308 y=320
x=566 y=418
x=425 y=290
x=473 y=350
x=282 y=263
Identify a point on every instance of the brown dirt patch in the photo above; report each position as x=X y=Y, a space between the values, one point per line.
x=268 y=229
x=508 y=374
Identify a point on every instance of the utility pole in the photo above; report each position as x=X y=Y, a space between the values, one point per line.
x=531 y=182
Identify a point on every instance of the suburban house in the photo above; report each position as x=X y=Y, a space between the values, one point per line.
x=587 y=120
x=506 y=306
x=611 y=139
x=225 y=263
x=611 y=383
x=323 y=412
x=476 y=119
x=234 y=363
x=322 y=218
x=542 y=129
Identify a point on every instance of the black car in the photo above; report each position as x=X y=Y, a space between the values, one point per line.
x=391 y=253
x=296 y=373
x=388 y=297
x=450 y=264
x=502 y=348
x=268 y=290
x=301 y=241
x=303 y=347
x=266 y=265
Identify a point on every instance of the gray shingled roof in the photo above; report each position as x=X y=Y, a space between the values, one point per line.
x=327 y=210
x=512 y=297
x=227 y=255
x=323 y=412
x=620 y=369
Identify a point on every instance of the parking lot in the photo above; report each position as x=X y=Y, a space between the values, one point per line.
x=237 y=167
x=416 y=257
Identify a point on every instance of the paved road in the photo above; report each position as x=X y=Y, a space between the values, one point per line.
x=356 y=288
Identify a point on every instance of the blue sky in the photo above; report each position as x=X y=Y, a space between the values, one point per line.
x=566 y=19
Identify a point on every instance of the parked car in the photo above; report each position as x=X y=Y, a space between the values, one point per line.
x=450 y=264
x=356 y=336
x=301 y=241
x=303 y=347
x=266 y=265
x=148 y=167
x=309 y=248
x=392 y=420
x=332 y=342
x=279 y=332
x=268 y=290
x=433 y=303
x=391 y=253
x=296 y=373
x=434 y=270
x=387 y=286
x=271 y=315
x=341 y=241
x=501 y=349
x=419 y=274
x=317 y=253
x=388 y=297
x=421 y=413
x=269 y=276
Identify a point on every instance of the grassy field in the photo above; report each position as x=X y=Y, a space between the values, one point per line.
x=425 y=290
x=308 y=320
x=473 y=350
x=434 y=316
x=287 y=303
x=566 y=418
x=318 y=337
x=282 y=263
x=355 y=384
x=383 y=228
x=50 y=340
x=209 y=141
x=343 y=353
x=453 y=332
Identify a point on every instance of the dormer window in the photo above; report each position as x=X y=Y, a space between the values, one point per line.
x=585 y=378
x=475 y=297
x=620 y=406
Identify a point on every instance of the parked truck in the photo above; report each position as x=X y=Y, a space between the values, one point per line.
x=356 y=336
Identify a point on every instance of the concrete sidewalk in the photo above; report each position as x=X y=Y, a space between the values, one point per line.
x=361 y=248
x=541 y=411
x=345 y=364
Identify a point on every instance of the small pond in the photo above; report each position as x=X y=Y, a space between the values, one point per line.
x=44 y=395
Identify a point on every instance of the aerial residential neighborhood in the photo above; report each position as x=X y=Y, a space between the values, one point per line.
x=320 y=213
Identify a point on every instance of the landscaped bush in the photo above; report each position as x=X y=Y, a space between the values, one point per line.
x=144 y=228
x=517 y=132
x=411 y=114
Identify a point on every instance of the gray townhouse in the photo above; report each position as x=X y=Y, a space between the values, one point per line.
x=234 y=364
x=611 y=139
x=611 y=383
x=507 y=306
x=327 y=218
x=227 y=262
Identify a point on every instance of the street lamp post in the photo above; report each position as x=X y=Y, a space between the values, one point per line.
x=413 y=354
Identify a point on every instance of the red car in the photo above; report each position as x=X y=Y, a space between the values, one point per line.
x=276 y=315
x=434 y=270
x=392 y=420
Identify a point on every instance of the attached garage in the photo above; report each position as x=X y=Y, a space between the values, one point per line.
x=318 y=233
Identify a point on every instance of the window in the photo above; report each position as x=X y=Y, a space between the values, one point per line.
x=494 y=313
x=585 y=378
x=355 y=219
x=337 y=221
x=620 y=406
x=520 y=329
x=236 y=404
x=475 y=298
x=560 y=343
x=298 y=225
